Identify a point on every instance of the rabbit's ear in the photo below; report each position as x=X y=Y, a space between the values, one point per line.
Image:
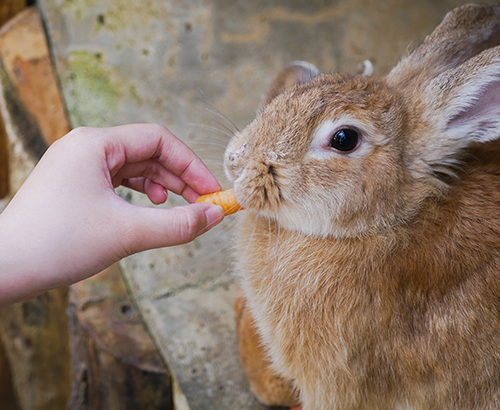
x=464 y=102
x=465 y=32
x=457 y=108
x=470 y=98
x=365 y=68
x=298 y=72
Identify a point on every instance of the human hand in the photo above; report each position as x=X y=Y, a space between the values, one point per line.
x=66 y=223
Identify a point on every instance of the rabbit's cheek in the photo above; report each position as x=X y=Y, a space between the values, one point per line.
x=232 y=170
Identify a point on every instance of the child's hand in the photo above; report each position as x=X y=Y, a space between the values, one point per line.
x=66 y=223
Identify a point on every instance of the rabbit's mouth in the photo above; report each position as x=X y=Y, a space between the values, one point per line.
x=258 y=189
x=268 y=191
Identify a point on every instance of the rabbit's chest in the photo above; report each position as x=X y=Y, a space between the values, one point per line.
x=310 y=303
x=341 y=319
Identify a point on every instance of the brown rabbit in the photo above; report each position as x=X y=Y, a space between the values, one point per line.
x=369 y=250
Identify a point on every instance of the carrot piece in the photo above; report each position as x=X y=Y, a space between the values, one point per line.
x=226 y=199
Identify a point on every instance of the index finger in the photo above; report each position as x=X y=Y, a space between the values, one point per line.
x=139 y=142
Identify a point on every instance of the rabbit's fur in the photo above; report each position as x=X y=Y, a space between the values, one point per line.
x=373 y=276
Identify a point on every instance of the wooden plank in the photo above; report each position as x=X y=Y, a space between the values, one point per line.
x=9 y=401
x=34 y=106
x=36 y=341
x=4 y=161
x=25 y=55
x=115 y=363
x=35 y=332
x=8 y=9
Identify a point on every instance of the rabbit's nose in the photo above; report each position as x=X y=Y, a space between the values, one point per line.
x=234 y=163
x=240 y=152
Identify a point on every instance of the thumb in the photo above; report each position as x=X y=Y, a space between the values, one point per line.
x=158 y=228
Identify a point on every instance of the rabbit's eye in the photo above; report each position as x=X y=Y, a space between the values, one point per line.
x=344 y=140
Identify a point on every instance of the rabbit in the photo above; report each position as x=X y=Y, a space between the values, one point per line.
x=368 y=249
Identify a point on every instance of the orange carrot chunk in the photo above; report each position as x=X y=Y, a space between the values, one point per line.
x=226 y=199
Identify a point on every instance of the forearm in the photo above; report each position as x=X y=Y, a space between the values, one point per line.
x=33 y=254
x=23 y=270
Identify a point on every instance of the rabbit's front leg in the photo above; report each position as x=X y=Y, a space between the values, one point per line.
x=270 y=388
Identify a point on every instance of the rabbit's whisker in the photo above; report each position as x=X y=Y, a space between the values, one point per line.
x=222 y=116
x=211 y=143
x=216 y=111
x=210 y=128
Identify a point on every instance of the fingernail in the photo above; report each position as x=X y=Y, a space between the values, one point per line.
x=214 y=215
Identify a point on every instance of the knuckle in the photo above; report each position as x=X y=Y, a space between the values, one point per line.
x=158 y=128
x=154 y=172
x=81 y=132
x=189 y=226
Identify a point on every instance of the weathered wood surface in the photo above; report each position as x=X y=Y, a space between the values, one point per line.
x=169 y=62
x=32 y=104
x=4 y=161
x=36 y=341
x=115 y=364
x=8 y=9
x=9 y=401
x=35 y=332
x=28 y=64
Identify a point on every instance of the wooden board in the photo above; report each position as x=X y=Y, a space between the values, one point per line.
x=9 y=401
x=35 y=332
x=8 y=9
x=27 y=62
x=115 y=363
x=36 y=340
x=4 y=161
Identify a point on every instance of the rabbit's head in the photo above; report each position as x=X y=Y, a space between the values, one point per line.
x=345 y=156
